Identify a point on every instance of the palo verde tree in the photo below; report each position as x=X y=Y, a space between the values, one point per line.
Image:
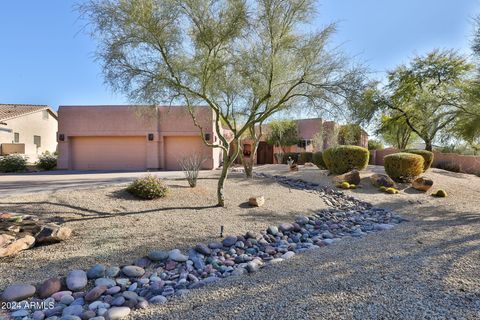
x=429 y=94
x=246 y=60
x=394 y=130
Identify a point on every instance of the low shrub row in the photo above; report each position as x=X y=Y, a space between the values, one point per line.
x=18 y=162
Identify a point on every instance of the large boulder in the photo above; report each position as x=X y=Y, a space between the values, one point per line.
x=52 y=233
x=382 y=180
x=422 y=184
x=10 y=245
x=352 y=177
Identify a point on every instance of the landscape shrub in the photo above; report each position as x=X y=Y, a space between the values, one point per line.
x=403 y=167
x=375 y=145
x=46 y=161
x=342 y=159
x=317 y=159
x=148 y=187
x=191 y=166
x=13 y=163
x=305 y=157
x=427 y=157
x=449 y=166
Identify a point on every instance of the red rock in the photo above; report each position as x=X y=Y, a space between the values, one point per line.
x=49 y=287
x=95 y=293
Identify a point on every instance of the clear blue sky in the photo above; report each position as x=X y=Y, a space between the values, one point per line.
x=44 y=59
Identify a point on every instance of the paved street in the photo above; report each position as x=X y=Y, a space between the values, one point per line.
x=25 y=183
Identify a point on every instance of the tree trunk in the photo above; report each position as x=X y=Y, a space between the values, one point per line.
x=428 y=145
x=227 y=162
x=249 y=162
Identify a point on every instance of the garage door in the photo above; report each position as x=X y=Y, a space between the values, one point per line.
x=178 y=147
x=108 y=153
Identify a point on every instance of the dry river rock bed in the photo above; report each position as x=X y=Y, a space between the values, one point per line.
x=102 y=292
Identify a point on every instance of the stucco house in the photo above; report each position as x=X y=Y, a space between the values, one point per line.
x=133 y=137
x=310 y=131
x=27 y=129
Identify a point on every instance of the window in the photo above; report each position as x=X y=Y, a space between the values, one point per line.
x=16 y=137
x=45 y=114
x=304 y=143
x=37 y=140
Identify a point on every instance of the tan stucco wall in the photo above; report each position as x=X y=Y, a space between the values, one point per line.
x=162 y=122
x=32 y=125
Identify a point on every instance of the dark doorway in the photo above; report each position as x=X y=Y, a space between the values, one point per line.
x=264 y=153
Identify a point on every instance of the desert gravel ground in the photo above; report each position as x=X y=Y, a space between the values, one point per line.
x=113 y=228
x=427 y=268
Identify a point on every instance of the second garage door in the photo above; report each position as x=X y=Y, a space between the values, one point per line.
x=178 y=147
x=109 y=153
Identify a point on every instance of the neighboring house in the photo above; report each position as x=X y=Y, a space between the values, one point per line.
x=133 y=137
x=313 y=135
x=27 y=129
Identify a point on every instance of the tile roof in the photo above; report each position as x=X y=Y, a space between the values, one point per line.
x=9 y=111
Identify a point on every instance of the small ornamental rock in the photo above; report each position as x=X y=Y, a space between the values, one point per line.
x=133 y=271
x=117 y=313
x=97 y=271
x=229 y=241
x=177 y=256
x=256 y=201
x=76 y=280
x=49 y=287
x=11 y=246
x=203 y=249
x=95 y=293
x=17 y=292
x=158 y=255
x=52 y=233
x=422 y=184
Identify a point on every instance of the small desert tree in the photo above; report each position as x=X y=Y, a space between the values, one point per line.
x=282 y=134
x=395 y=131
x=246 y=60
x=429 y=94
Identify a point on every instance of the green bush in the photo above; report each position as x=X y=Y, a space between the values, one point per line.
x=13 y=163
x=402 y=166
x=305 y=157
x=375 y=145
x=317 y=159
x=148 y=187
x=342 y=159
x=46 y=161
x=427 y=157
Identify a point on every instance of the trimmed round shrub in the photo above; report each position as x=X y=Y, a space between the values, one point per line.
x=305 y=157
x=342 y=159
x=317 y=159
x=148 y=187
x=46 y=161
x=427 y=157
x=13 y=163
x=403 y=167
